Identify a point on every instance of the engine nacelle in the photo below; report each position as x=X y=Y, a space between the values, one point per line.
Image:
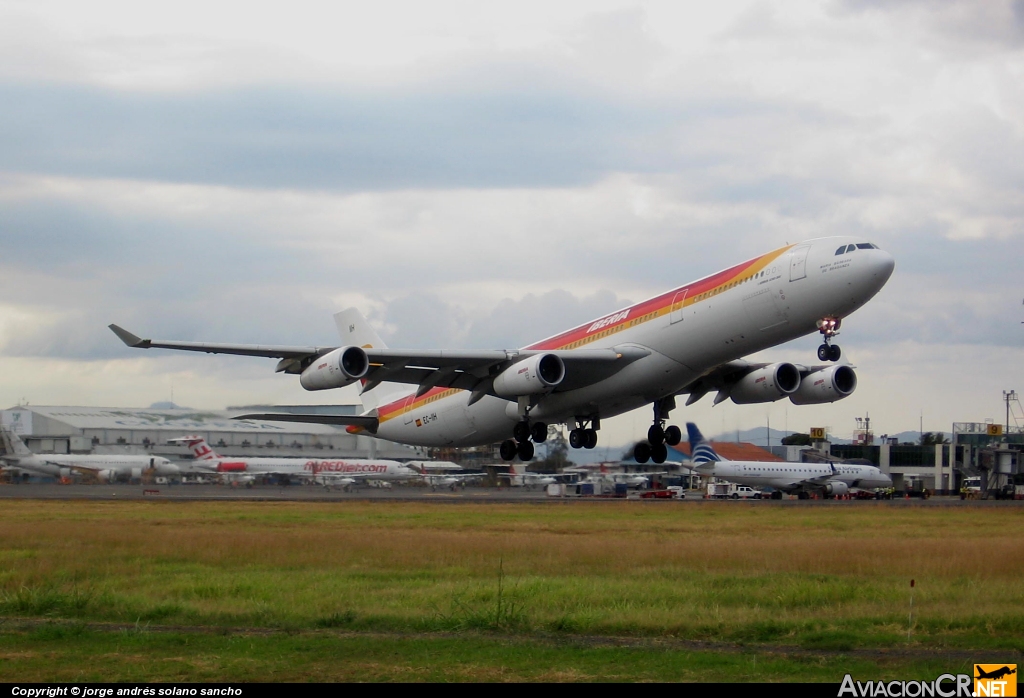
x=766 y=384
x=106 y=475
x=827 y=385
x=136 y=473
x=836 y=488
x=341 y=367
x=537 y=374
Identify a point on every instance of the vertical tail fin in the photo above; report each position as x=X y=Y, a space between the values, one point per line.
x=700 y=449
x=12 y=444
x=197 y=444
x=355 y=330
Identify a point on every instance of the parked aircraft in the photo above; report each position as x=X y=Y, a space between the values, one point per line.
x=336 y=472
x=105 y=468
x=800 y=478
x=686 y=341
x=521 y=478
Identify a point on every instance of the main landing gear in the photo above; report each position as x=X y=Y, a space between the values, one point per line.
x=519 y=444
x=584 y=436
x=829 y=328
x=659 y=436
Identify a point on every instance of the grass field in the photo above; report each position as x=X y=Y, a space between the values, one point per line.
x=517 y=591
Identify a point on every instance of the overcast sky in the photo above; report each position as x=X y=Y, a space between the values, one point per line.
x=481 y=176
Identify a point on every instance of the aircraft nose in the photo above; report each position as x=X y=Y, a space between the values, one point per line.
x=883 y=264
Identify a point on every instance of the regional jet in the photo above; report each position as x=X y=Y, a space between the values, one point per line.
x=830 y=479
x=687 y=341
x=105 y=468
x=336 y=472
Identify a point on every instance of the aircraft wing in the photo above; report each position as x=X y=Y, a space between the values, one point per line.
x=467 y=370
x=367 y=422
x=722 y=377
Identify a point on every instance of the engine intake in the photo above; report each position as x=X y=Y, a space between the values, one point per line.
x=826 y=385
x=537 y=374
x=836 y=487
x=341 y=367
x=766 y=384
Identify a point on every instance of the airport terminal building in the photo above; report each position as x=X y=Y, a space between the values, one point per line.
x=51 y=429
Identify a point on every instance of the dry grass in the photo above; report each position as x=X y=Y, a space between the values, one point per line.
x=737 y=571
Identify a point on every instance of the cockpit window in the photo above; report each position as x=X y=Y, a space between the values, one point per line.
x=841 y=250
x=851 y=248
x=865 y=246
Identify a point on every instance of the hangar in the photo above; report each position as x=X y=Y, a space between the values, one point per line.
x=54 y=429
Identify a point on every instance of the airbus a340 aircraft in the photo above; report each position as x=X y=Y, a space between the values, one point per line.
x=339 y=472
x=686 y=341
x=105 y=468
x=801 y=478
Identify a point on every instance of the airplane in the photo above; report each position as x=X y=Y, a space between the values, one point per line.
x=449 y=480
x=995 y=673
x=105 y=468
x=337 y=472
x=528 y=480
x=689 y=341
x=830 y=479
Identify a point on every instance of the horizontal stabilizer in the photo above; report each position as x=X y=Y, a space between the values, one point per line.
x=368 y=423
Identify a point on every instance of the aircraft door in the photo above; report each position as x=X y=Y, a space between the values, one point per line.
x=798 y=263
x=409 y=401
x=677 y=307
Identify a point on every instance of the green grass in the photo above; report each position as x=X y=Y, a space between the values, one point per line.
x=828 y=579
x=73 y=653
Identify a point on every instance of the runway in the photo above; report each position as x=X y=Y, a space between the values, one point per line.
x=306 y=493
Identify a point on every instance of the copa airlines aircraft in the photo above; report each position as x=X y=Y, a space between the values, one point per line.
x=802 y=478
x=340 y=472
x=687 y=341
x=105 y=468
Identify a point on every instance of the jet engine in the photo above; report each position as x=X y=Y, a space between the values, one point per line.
x=836 y=487
x=341 y=367
x=537 y=374
x=105 y=475
x=136 y=474
x=827 y=385
x=766 y=384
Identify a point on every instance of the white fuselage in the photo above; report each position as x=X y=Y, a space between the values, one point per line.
x=320 y=470
x=62 y=465
x=688 y=331
x=795 y=476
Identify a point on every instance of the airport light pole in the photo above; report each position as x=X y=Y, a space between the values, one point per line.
x=1008 y=395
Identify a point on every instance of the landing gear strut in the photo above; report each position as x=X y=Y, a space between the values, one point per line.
x=584 y=436
x=659 y=437
x=829 y=328
x=519 y=444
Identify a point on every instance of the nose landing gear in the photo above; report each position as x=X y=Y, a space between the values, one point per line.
x=829 y=328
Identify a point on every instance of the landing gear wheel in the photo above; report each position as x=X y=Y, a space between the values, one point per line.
x=508 y=449
x=655 y=435
x=525 y=451
x=539 y=432
x=673 y=435
x=777 y=494
x=576 y=438
x=659 y=453
x=834 y=352
x=803 y=495
x=589 y=438
x=521 y=432
x=642 y=452
x=824 y=352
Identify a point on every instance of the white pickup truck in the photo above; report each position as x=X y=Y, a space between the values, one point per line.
x=729 y=490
